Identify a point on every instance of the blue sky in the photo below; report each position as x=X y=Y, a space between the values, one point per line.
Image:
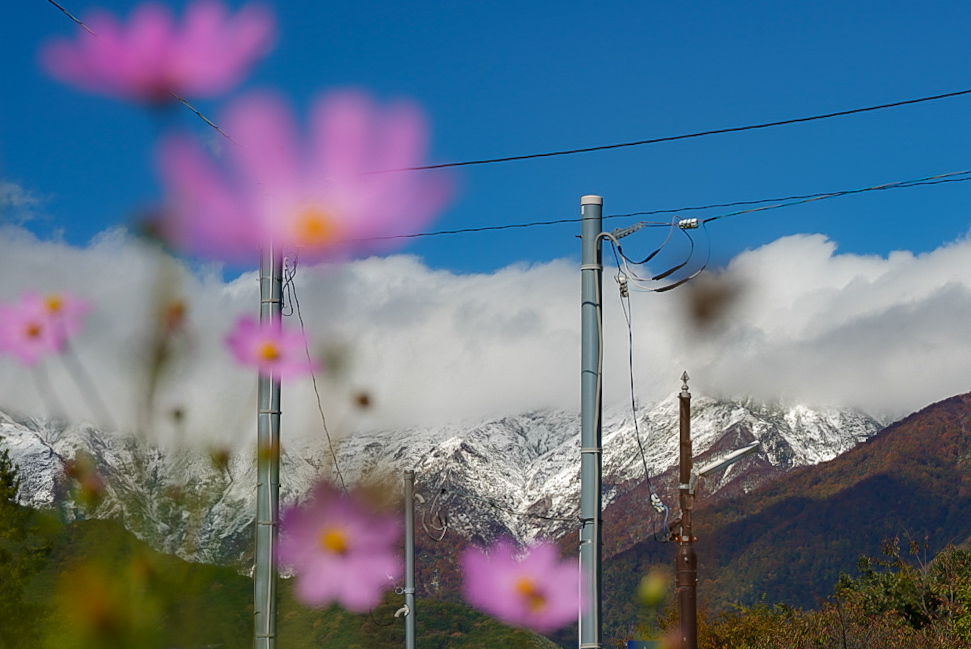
x=860 y=301
x=504 y=78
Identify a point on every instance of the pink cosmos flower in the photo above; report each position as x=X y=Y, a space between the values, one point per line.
x=38 y=325
x=340 y=550
x=536 y=590
x=275 y=352
x=312 y=193
x=152 y=57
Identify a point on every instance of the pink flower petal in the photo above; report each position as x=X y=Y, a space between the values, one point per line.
x=152 y=56
x=314 y=196
x=354 y=572
x=537 y=591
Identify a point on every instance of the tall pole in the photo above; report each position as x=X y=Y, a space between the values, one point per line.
x=267 y=462
x=591 y=272
x=686 y=568
x=410 y=559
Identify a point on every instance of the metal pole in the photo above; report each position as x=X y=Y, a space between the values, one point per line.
x=267 y=463
x=591 y=272
x=686 y=566
x=410 y=559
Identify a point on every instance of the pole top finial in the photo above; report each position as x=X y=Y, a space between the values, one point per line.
x=684 y=381
x=591 y=199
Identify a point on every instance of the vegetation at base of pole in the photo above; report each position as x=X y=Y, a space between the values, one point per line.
x=90 y=584
x=902 y=600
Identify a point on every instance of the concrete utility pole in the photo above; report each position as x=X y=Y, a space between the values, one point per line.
x=267 y=463
x=410 y=559
x=591 y=389
x=686 y=567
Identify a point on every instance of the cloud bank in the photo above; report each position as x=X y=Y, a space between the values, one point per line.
x=801 y=323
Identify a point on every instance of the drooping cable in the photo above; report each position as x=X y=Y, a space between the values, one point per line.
x=635 y=281
x=291 y=270
x=625 y=304
x=443 y=528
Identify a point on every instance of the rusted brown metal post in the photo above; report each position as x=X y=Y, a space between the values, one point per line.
x=686 y=568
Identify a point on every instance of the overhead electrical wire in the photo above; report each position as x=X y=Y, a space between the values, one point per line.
x=602 y=147
x=290 y=272
x=929 y=180
x=175 y=96
x=656 y=501
x=952 y=177
x=688 y=136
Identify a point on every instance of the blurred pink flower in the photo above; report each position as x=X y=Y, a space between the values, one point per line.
x=310 y=193
x=275 y=352
x=152 y=57
x=38 y=325
x=536 y=590
x=340 y=549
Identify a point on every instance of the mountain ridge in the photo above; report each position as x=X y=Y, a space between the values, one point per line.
x=791 y=538
x=491 y=471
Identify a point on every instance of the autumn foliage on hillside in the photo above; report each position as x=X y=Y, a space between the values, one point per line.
x=895 y=602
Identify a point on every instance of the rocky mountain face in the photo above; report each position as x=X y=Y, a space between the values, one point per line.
x=516 y=476
x=789 y=540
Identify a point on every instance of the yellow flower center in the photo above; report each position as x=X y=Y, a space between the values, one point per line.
x=314 y=226
x=533 y=596
x=54 y=303
x=269 y=351
x=333 y=540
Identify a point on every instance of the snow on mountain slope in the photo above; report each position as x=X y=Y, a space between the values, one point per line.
x=491 y=471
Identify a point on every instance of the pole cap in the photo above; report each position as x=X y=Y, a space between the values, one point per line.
x=591 y=199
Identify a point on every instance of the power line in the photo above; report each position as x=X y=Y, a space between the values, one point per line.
x=687 y=136
x=954 y=177
x=291 y=273
x=73 y=17
x=178 y=98
x=786 y=201
x=656 y=501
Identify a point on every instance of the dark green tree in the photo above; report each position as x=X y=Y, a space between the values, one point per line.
x=22 y=554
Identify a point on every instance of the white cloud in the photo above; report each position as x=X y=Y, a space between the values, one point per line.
x=17 y=204
x=809 y=325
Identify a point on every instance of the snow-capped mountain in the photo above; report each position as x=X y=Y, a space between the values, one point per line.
x=484 y=476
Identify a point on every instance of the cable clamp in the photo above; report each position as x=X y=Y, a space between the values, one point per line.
x=591 y=267
x=622 y=281
x=620 y=233
x=682 y=485
x=591 y=449
x=591 y=645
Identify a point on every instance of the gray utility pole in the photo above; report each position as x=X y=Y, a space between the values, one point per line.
x=410 y=559
x=267 y=463
x=686 y=565
x=591 y=390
